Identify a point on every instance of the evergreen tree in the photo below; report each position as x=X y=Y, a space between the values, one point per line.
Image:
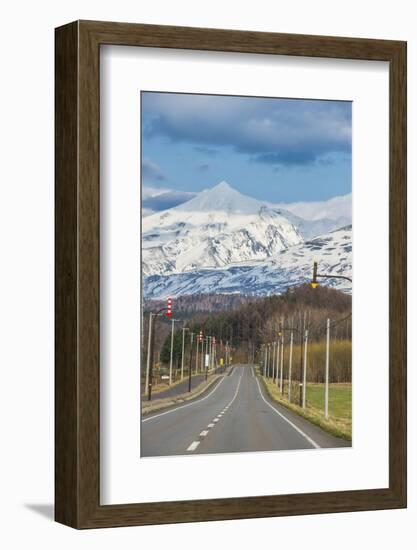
x=177 y=348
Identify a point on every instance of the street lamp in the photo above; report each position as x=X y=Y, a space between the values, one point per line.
x=314 y=283
x=151 y=341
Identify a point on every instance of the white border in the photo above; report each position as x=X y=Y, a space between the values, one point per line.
x=124 y=476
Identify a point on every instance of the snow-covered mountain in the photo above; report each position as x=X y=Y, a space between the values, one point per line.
x=216 y=228
x=335 y=208
x=313 y=228
x=221 y=241
x=287 y=267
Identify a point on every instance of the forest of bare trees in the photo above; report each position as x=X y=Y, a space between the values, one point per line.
x=247 y=323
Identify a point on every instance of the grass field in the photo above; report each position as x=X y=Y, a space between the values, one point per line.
x=339 y=422
x=340 y=399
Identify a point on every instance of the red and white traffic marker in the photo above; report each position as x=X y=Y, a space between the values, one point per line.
x=169 y=308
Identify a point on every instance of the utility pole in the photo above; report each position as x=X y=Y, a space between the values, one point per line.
x=301 y=364
x=305 y=370
x=326 y=390
x=268 y=364
x=207 y=357
x=191 y=360
x=209 y=351
x=281 y=386
x=148 y=358
x=274 y=349
x=196 y=355
x=151 y=340
x=183 y=349
x=277 y=362
x=152 y=337
x=290 y=366
x=172 y=351
x=215 y=354
x=202 y=354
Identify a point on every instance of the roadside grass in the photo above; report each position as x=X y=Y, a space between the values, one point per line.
x=339 y=422
x=163 y=386
x=340 y=399
x=160 y=404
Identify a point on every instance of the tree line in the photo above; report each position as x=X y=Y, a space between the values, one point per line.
x=248 y=323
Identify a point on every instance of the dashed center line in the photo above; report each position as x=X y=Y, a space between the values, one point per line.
x=193 y=446
x=213 y=423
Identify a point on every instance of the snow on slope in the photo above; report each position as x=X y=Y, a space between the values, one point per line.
x=336 y=208
x=286 y=268
x=313 y=228
x=216 y=228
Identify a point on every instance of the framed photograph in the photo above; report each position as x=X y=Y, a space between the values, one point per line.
x=230 y=274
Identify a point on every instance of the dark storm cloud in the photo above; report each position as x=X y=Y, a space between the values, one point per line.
x=278 y=132
x=165 y=200
x=151 y=171
x=294 y=157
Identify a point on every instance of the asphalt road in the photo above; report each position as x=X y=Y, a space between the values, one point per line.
x=234 y=416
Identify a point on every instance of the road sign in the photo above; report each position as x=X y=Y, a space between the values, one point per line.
x=206 y=360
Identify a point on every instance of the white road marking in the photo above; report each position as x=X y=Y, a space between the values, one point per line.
x=236 y=392
x=193 y=446
x=311 y=441
x=204 y=433
x=183 y=406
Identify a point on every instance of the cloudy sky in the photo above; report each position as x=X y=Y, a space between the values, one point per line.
x=278 y=150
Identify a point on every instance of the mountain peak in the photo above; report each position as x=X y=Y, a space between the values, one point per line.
x=222 y=197
x=222 y=186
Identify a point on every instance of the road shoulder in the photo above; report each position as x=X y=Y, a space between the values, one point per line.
x=318 y=434
x=171 y=402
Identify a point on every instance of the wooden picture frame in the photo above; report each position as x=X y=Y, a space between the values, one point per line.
x=77 y=405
